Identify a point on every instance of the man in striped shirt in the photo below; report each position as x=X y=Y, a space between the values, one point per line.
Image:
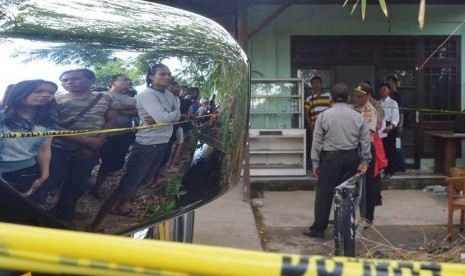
x=314 y=105
x=316 y=102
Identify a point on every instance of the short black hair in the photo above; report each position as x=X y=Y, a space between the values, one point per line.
x=115 y=77
x=393 y=78
x=193 y=89
x=340 y=92
x=152 y=71
x=384 y=84
x=89 y=74
x=315 y=78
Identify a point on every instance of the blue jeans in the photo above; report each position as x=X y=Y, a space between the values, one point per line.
x=143 y=162
x=74 y=175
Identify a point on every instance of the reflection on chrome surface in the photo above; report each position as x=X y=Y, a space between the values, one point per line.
x=126 y=40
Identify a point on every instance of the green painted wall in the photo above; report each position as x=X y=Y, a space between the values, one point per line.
x=269 y=50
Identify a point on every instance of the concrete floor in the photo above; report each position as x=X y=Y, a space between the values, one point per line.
x=227 y=221
x=407 y=219
x=400 y=207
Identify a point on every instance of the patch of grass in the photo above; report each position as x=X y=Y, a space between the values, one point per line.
x=172 y=191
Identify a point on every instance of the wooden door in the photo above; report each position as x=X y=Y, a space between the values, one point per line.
x=434 y=86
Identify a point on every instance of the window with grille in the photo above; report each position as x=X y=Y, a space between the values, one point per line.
x=356 y=48
x=440 y=92
x=398 y=49
x=446 y=51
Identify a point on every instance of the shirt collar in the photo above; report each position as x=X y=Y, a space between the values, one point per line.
x=387 y=99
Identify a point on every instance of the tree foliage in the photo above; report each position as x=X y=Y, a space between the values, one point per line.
x=95 y=43
x=7 y=14
x=134 y=38
x=104 y=71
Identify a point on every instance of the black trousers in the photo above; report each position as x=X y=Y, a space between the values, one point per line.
x=335 y=168
x=389 y=144
x=371 y=197
x=309 y=140
x=22 y=180
x=378 y=186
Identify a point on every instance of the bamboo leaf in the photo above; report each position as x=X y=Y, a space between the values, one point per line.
x=364 y=8
x=382 y=4
x=421 y=14
x=354 y=7
x=345 y=3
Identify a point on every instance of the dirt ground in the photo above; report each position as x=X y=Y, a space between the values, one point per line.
x=148 y=197
x=88 y=205
x=380 y=242
x=152 y=200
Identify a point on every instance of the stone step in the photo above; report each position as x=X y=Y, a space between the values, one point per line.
x=296 y=183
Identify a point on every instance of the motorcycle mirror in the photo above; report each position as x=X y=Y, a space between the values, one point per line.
x=43 y=39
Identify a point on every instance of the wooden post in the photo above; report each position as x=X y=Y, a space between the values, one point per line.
x=242 y=29
x=242 y=38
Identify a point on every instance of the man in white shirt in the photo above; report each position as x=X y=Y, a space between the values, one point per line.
x=389 y=133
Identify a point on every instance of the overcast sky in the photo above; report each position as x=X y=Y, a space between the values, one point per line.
x=13 y=70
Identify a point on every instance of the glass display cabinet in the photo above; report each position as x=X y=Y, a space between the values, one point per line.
x=277 y=135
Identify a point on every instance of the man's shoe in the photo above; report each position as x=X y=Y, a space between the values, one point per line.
x=97 y=193
x=313 y=233
x=387 y=176
x=81 y=215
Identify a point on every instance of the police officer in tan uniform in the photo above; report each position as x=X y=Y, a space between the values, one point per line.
x=339 y=131
x=375 y=104
x=363 y=105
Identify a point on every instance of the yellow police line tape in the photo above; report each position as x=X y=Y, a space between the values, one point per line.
x=429 y=110
x=425 y=110
x=53 y=133
x=60 y=251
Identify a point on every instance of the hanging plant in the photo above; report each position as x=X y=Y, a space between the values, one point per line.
x=363 y=6
x=382 y=4
x=421 y=14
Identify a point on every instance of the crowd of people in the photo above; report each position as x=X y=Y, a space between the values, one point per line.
x=54 y=172
x=345 y=139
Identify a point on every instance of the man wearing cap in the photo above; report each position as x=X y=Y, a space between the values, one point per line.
x=379 y=109
x=335 y=156
x=363 y=105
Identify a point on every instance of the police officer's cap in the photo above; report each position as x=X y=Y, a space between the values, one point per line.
x=363 y=89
